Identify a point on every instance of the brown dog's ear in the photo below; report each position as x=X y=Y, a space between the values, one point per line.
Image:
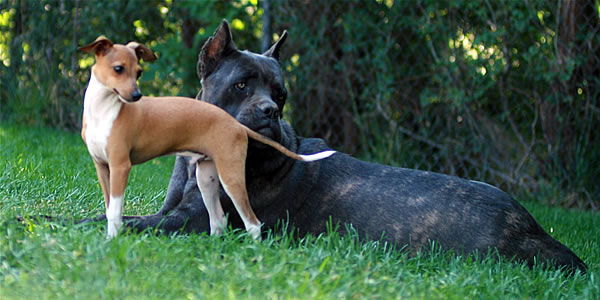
x=216 y=47
x=274 y=50
x=99 y=46
x=141 y=51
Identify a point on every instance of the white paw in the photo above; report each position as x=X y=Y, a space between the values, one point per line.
x=113 y=228
x=254 y=231
x=217 y=227
x=216 y=230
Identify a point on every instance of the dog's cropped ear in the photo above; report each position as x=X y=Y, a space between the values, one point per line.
x=274 y=50
x=99 y=46
x=216 y=47
x=141 y=51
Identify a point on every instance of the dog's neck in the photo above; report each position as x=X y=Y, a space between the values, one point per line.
x=101 y=107
x=100 y=102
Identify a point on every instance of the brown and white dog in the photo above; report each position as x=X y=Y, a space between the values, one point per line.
x=122 y=128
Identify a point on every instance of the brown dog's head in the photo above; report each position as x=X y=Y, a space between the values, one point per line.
x=117 y=66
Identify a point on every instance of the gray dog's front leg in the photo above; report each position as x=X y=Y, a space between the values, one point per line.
x=179 y=178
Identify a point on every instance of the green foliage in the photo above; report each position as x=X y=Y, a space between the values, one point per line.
x=175 y=70
x=44 y=171
x=497 y=91
x=43 y=75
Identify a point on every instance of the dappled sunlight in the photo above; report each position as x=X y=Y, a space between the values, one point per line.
x=5 y=18
x=86 y=61
x=476 y=51
x=140 y=29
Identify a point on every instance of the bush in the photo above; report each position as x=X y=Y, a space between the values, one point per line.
x=504 y=92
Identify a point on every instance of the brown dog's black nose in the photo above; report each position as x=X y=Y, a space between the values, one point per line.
x=136 y=95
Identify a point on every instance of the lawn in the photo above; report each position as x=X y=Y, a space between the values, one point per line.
x=49 y=172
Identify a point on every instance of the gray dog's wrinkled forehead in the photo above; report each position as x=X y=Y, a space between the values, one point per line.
x=259 y=59
x=247 y=65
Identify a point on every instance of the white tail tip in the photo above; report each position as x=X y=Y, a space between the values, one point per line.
x=317 y=156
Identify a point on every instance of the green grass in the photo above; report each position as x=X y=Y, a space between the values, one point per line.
x=49 y=172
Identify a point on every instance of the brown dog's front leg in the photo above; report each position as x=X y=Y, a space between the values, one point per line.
x=103 y=177
x=114 y=211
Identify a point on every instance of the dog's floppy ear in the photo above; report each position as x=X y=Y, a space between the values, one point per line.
x=216 y=47
x=274 y=50
x=141 y=51
x=99 y=46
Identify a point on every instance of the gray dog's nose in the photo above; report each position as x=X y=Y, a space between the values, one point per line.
x=270 y=109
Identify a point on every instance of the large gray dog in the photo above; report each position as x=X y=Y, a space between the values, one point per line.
x=402 y=206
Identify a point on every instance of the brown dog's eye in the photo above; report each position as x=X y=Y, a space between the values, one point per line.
x=119 y=69
x=240 y=85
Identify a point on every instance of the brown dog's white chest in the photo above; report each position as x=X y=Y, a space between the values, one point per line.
x=100 y=108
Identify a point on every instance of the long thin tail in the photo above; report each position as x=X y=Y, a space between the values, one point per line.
x=265 y=140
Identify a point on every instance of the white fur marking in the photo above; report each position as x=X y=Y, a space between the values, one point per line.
x=317 y=156
x=254 y=230
x=101 y=107
x=114 y=215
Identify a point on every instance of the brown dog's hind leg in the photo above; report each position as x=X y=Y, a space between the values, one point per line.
x=232 y=174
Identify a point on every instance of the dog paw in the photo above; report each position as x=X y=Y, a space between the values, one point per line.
x=218 y=230
x=113 y=229
x=218 y=226
x=254 y=231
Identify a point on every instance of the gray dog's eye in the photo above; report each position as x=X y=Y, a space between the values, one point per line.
x=240 y=85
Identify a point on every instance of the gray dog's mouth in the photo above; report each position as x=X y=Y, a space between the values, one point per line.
x=266 y=131
x=265 y=127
